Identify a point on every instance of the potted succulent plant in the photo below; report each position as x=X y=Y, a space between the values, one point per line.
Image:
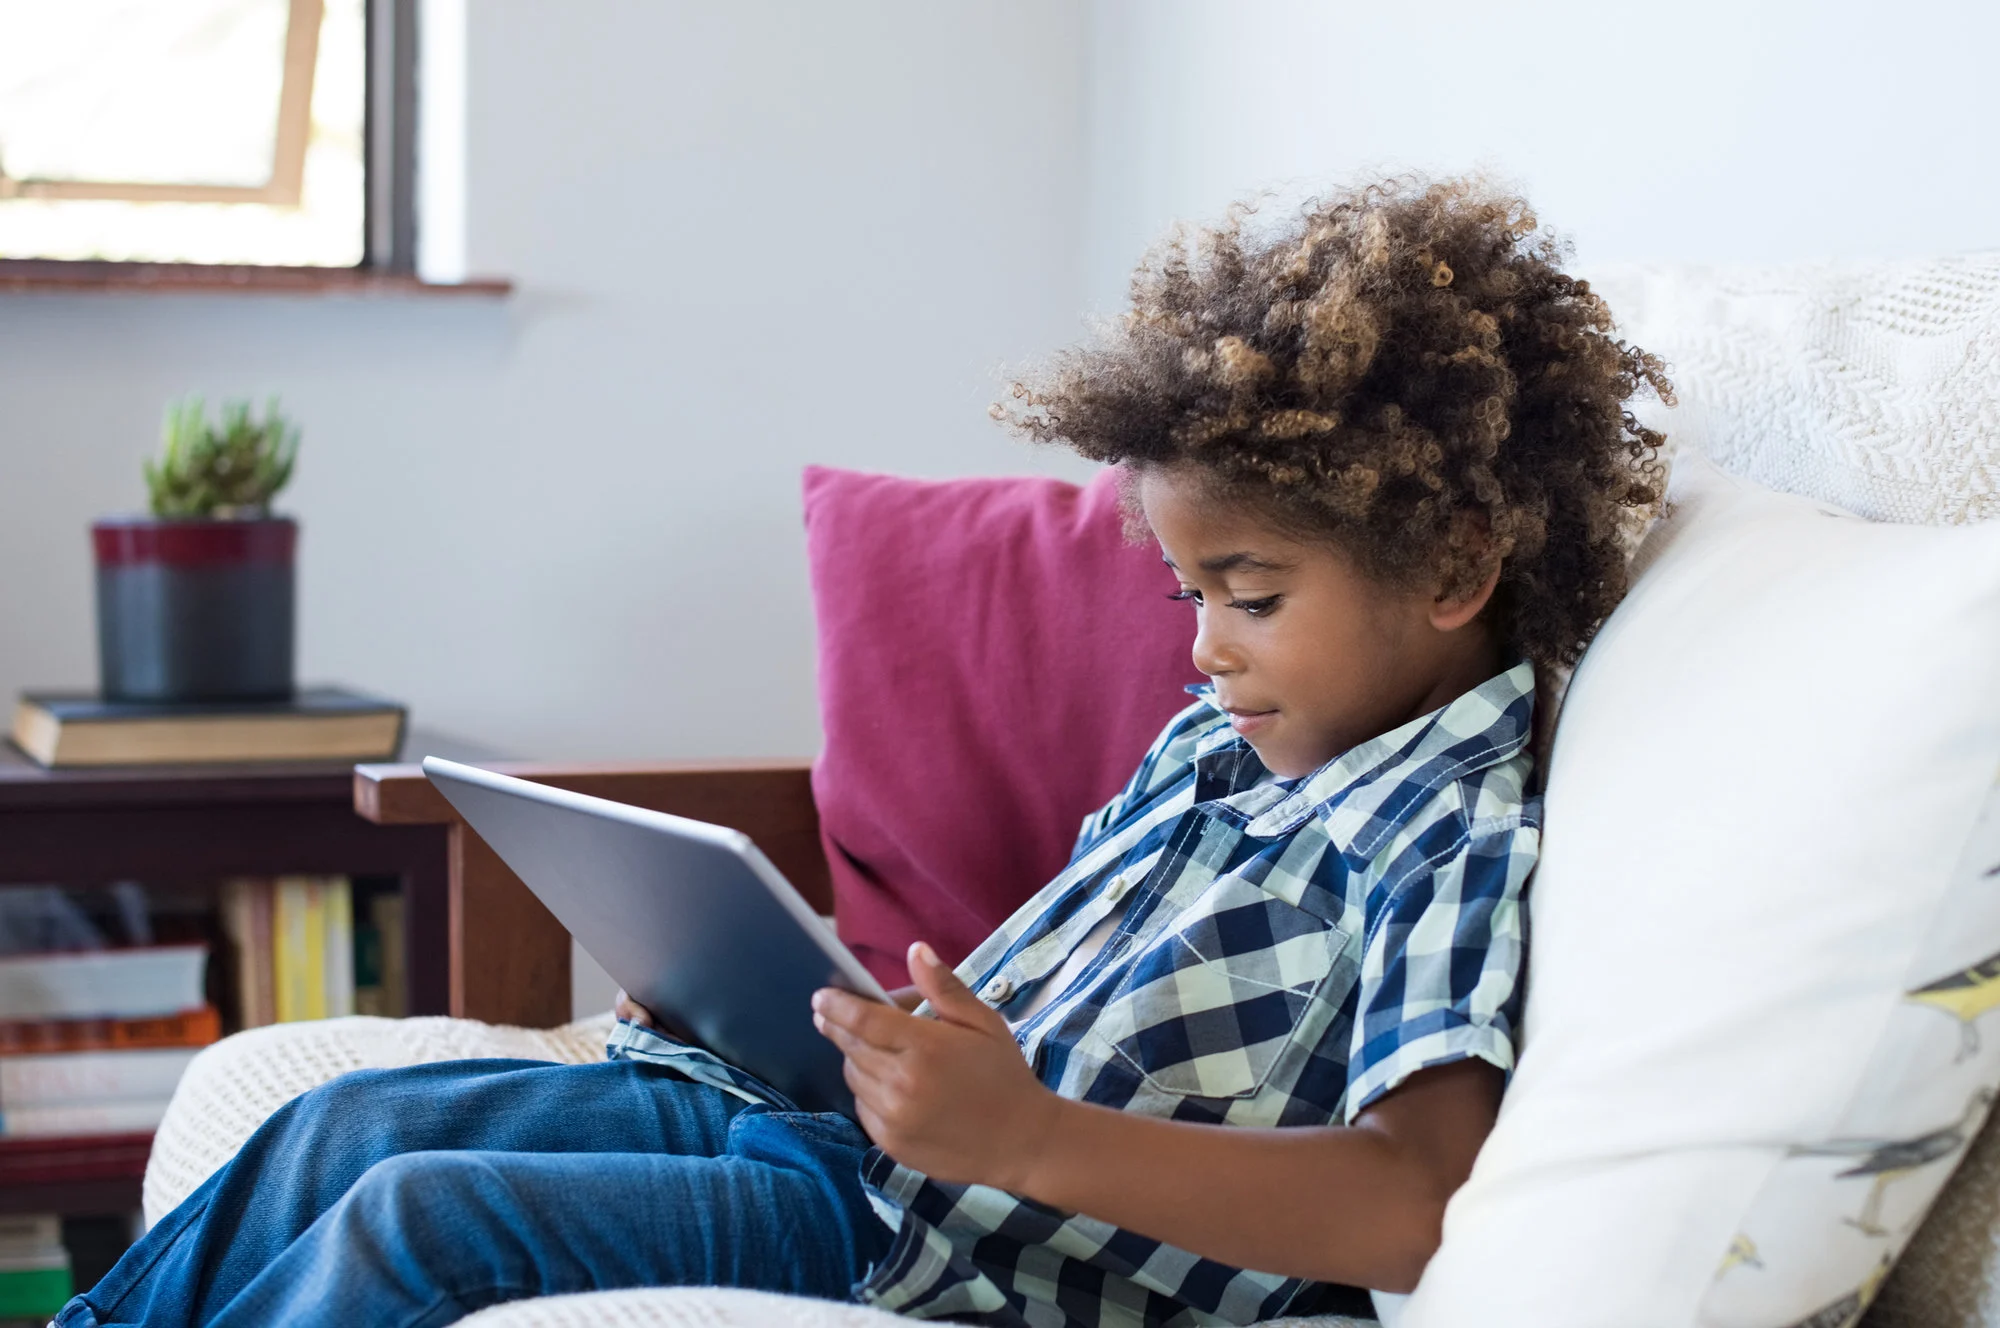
x=195 y=601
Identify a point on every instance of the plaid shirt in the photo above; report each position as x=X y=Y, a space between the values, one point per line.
x=1288 y=952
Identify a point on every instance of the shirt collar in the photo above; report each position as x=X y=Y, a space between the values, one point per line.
x=1482 y=727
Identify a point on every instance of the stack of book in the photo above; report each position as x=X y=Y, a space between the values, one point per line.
x=93 y=1042
x=304 y=950
x=34 y=1267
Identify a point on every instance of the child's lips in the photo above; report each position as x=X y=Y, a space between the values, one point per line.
x=1247 y=722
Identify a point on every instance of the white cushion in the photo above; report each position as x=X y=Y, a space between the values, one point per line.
x=1767 y=826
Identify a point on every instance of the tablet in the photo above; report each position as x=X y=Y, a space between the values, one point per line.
x=690 y=918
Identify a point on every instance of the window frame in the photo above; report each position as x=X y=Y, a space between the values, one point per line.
x=389 y=138
x=389 y=177
x=288 y=147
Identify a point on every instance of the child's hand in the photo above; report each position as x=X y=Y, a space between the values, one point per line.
x=950 y=1096
x=633 y=1012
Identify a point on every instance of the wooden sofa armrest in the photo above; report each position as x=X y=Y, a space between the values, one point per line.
x=509 y=957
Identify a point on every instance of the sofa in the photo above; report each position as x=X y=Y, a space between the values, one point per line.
x=1873 y=387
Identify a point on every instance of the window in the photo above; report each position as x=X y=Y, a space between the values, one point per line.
x=200 y=131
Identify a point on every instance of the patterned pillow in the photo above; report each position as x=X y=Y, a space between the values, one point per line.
x=1875 y=386
x=1766 y=931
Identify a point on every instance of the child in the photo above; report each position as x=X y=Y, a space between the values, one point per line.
x=1247 y=1044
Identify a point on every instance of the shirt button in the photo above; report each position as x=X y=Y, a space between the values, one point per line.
x=998 y=990
x=1115 y=891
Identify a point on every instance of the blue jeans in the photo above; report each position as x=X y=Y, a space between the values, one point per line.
x=413 y=1197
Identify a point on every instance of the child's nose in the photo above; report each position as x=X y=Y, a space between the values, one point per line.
x=1213 y=654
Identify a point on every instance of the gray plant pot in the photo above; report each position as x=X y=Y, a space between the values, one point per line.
x=199 y=610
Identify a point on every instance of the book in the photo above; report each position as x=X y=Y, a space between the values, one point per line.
x=391 y=913
x=64 y=1161
x=35 y=1294
x=137 y=983
x=326 y=723
x=246 y=921
x=337 y=898
x=381 y=982
x=85 y=1078
x=71 y=1120
x=297 y=950
x=35 y=1274
x=29 y=1234
x=189 y=1028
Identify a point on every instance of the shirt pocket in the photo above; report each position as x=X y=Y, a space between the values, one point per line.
x=1209 y=1007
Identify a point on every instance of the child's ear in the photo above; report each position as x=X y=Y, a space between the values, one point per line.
x=1457 y=605
x=1449 y=612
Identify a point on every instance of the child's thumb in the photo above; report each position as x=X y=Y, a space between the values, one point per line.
x=952 y=999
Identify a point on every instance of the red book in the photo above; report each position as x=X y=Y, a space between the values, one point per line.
x=189 y=1028
x=54 y=1161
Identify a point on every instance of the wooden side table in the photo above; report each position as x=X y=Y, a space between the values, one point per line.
x=480 y=945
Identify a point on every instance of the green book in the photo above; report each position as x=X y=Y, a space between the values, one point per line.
x=35 y=1278
x=34 y=1293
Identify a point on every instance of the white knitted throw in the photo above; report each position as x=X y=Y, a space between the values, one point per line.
x=233 y=1086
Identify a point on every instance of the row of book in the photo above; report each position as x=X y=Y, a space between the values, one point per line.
x=305 y=947
x=93 y=1042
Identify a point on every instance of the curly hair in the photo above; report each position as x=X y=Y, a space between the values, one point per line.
x=1404 y=370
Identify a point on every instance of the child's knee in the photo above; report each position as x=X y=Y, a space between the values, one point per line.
x=415 y=1191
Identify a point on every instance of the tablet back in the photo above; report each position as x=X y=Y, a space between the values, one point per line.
x=690 y=918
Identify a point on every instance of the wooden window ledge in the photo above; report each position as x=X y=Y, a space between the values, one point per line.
x=33 y=276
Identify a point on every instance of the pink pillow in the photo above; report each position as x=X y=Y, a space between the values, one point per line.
x=994 y=659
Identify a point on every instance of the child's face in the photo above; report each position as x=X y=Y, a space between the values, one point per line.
x=1308 y=655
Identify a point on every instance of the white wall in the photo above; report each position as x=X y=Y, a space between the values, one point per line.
x=1696 y=130
x=747 y=237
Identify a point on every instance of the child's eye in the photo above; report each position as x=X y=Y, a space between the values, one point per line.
x=1186 y=592
x=1256 y=608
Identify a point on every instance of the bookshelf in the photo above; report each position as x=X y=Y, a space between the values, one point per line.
x=183 y=831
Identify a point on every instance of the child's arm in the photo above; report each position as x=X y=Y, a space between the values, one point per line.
x=1361 y=1204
